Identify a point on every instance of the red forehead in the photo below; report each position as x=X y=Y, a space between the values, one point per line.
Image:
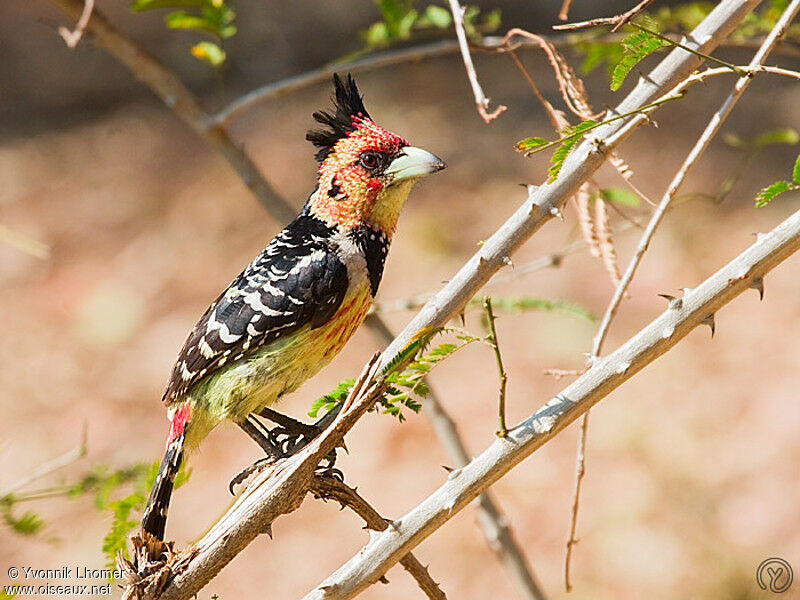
x=368 y=135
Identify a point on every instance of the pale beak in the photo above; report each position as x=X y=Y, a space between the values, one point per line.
x=413 y=163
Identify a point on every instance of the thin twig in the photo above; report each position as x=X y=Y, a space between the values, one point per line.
x=180 y=100
x=501 y=372
x=563 y=14
x=329 y=488
x=617 y=21
x=481 y=101
x=71 y=38
x=51 y=466
x=569 y=84
x=703 y=55
x=700 y=146
x=390 y=58
x=491 y=519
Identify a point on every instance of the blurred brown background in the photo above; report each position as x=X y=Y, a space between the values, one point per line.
x=693 y=465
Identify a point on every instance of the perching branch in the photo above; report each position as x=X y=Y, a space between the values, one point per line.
x=481 y=101
x=329 y=488
x=700 y=146
x=462 y=486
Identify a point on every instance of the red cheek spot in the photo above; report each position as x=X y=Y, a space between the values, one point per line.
x=373 y=185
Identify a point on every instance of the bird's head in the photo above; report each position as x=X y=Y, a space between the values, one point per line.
x=365 y=171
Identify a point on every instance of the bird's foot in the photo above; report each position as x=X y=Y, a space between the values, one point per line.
x=290 y=435
x=248 y=471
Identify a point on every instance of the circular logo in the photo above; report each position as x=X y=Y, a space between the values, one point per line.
x=774 y=574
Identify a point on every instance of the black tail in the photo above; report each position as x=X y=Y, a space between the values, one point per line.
x=154 y=520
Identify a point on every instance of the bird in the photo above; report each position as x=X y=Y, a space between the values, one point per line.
x=294 y=307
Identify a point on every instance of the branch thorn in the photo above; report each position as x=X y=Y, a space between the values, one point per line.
x=709 y=320
x=758 y=284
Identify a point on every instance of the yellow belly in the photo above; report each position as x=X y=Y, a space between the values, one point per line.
x=250 y=384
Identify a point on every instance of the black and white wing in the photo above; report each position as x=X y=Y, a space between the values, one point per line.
x=297 y=280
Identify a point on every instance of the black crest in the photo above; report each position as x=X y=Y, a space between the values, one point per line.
x=347 y=104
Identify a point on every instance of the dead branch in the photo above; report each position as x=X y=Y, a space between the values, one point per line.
x=329 y=488
x=617 y=21
x=71 y=38
x=481 y=101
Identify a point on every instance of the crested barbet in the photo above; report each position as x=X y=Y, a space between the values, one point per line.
x=296 y=305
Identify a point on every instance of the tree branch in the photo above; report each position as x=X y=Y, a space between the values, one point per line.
x=545 y=201
x=606 y=374
x=481 y=101
x=329 y=488
x=180 y=100
x=491 y=520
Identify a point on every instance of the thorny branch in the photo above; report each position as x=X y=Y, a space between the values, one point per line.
x=481 y=101
x=700 y=146
x=329 y=488
x=617 y=21
x=389 y=58
x=490 y=518
x=605 y=375
x=502 y=431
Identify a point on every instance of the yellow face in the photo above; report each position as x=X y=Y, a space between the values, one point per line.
x=366 y=177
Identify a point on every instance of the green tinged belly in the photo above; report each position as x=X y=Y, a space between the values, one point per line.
x=250 y=384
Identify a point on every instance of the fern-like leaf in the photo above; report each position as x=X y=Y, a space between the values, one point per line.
x=767 y=194
x=571 y=137
x=635 y=48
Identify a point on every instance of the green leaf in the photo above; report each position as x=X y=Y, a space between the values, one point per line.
x=142 y=5
x=329 y=400
x=115 y=540
x=28 y=524
x=377 y=35
x=210 y=53
x=635 y=47
x=572 y=135
x=620 y=196
x=491 y=21
x=530 y=143
x=766 y=195
x=796 y=170
x=597 y=53
x=182 y=20
x=436 y=16
x=785 y=135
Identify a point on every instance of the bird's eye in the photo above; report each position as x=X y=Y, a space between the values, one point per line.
x=370 y=160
